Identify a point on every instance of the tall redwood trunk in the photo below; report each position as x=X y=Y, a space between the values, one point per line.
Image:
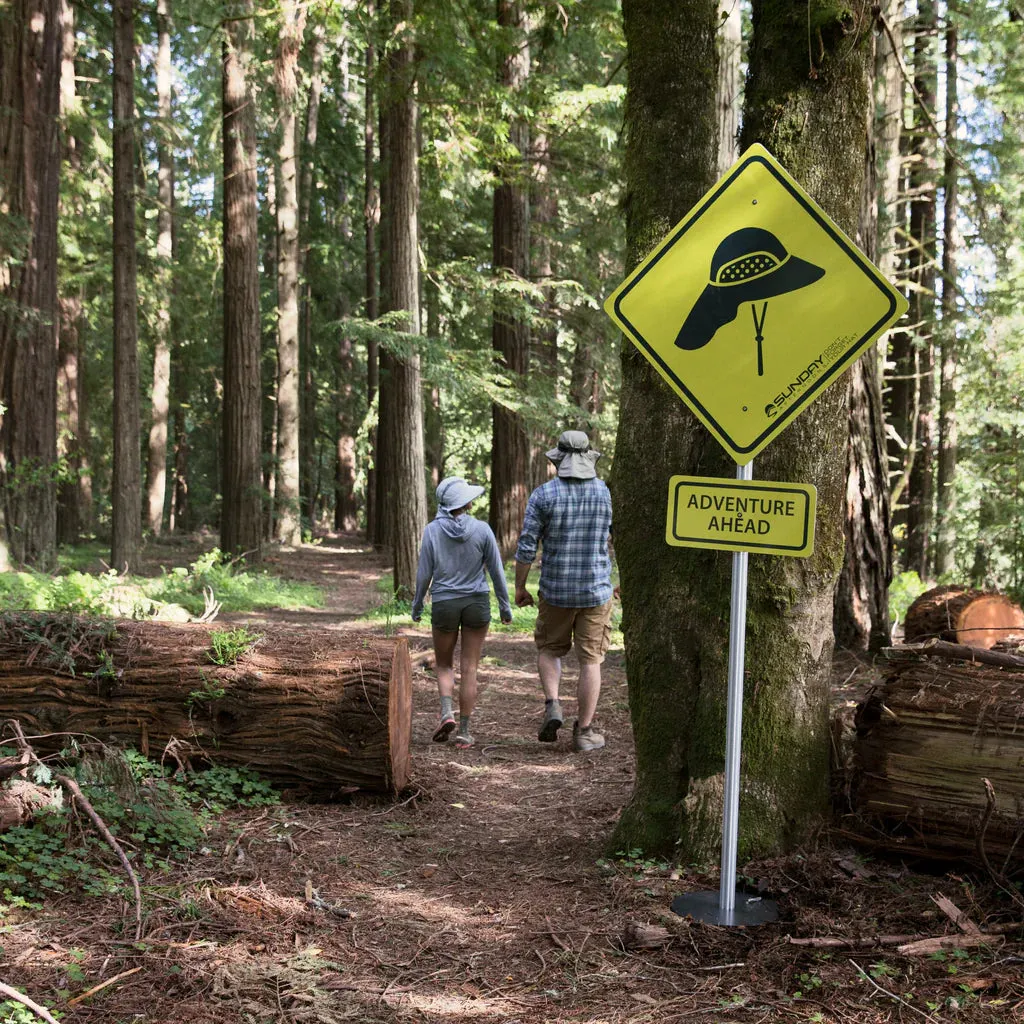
x=30 y=73
x=730 y=82
x=126 y=491
x=861 y=609
x=289 y=521
x=401 y=425
x=71 y=513
x=510 y=445
x=676 y=602
x=307 y=424
x=240 y=517
x=156 y=472
x=949 y=349
x=371 y=216
x=924 y=189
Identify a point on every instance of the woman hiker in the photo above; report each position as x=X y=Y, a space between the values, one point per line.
x=454 y=551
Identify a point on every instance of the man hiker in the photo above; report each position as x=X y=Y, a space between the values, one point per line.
x=571 y=516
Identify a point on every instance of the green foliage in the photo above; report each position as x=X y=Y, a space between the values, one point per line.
x=13 y=1012
x=221 y=787
x=236 y=589
x=228 y=645
x=157 y=817
x=107 y=593
x=905 y=588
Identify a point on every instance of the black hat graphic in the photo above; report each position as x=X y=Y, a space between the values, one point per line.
x=749 y=265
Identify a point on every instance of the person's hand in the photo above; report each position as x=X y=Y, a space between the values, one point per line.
x=616 y=594
x=523 y=598
x=506 y=620
x=416 y=618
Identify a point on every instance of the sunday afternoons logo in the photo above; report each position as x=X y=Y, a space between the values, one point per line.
x=806 y=376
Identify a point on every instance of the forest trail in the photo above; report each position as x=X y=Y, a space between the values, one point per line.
x=485 y=893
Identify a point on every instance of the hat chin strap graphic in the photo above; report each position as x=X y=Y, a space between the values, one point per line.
x=759 y=334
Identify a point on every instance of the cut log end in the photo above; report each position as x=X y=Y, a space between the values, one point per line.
x=963 y=616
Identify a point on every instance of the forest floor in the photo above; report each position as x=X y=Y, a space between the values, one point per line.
x=488 y=893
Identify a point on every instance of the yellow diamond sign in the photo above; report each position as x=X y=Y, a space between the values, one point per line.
x=754 y=304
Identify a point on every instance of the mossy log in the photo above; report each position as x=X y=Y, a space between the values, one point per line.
x=326 y=713
x=927 y=739
x=959 y=615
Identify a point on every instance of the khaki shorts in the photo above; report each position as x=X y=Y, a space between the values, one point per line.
x=591 y=628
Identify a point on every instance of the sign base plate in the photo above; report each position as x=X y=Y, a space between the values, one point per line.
x=747 y=911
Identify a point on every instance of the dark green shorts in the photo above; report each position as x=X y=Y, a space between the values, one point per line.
x=473 y=611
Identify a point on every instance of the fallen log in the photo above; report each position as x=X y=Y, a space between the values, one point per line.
x=927 y=739
x=325 y=713
x=959 y=615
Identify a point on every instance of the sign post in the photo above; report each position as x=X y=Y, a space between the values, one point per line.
x=750 y=308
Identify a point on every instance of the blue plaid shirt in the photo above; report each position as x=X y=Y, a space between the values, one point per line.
x=572 y=519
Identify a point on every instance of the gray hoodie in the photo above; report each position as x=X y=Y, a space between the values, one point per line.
x=453 y=554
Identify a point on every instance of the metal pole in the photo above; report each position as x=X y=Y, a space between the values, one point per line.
x=734 y=720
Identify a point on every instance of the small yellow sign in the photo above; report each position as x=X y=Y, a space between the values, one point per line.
x=754 y=304
x=741 y=515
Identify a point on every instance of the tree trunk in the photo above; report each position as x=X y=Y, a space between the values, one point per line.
x=861 y=609
x=240 y=517
x=126 y=492
x=945 y=536
x=730 y=82
x=288 y=528
x=924 y=190
x=401 y=423
x=510 y=441
x=30 y=65
x=308 y=427
x=344 y=443
x=935 y=732
x=545 y=370
x=668 y=594
x=70 y=354
x=303 y=709
x=156 y=473
x=676 y=603
x=371 y=215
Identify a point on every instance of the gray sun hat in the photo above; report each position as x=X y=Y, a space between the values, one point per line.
x=574 y=457
x=453 y=492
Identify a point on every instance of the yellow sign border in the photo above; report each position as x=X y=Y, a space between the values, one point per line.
x=808 y=491
x=898 y=305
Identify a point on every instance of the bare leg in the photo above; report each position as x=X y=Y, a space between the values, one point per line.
x=469 y=662
x=587 y=692
x=444 y=649
x=550 y=671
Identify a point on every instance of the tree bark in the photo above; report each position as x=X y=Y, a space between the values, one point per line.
x=30 y=72
x=730 y=82
x=861 y=609
x=344 y=443
x=401 y=422
x=510 y=441
x=371 y=217
x=676 y=603
x=240 y=517
x=945 y=536
x=288 y=527
x=308 y=427
x=924 y=190
x=156 y=472
x=126 y=491
x=71 y=515
x=668 y=594
x=308 y=710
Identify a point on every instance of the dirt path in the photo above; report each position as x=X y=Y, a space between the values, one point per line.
x=487 y=894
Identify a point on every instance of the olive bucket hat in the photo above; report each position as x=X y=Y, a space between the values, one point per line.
x=750 y=265
x=574 y=457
